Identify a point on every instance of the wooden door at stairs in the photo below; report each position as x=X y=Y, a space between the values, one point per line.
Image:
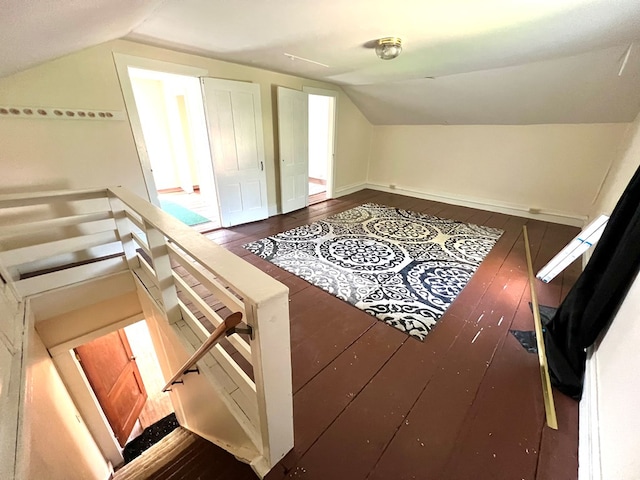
x=113 y=374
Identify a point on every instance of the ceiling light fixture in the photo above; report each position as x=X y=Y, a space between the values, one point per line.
x=389 y=48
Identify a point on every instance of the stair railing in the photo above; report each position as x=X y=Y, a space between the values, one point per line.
x=49 y=240
x=225 y=328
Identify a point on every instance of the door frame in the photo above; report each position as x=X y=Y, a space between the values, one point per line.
x=75 y=380
x=122 y=63
x=334 y=134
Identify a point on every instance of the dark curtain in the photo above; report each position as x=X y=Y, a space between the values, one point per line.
x=593 y=301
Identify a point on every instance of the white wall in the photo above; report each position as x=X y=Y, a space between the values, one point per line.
x=42 y=154
x=618 y=392
x=76 y=154
x=557 y=168
x=623 y=165
x=58 y=443
x=609 y=417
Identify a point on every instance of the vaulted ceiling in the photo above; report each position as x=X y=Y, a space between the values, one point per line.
x=464 y=61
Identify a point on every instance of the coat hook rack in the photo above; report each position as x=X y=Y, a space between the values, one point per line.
x=60 y=113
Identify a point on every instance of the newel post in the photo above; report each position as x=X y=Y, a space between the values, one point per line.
x=271 y=354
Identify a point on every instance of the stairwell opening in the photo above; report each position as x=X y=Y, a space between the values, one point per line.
x=124 y=374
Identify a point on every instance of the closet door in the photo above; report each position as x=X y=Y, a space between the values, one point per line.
x=234 y=124
x=293 y=131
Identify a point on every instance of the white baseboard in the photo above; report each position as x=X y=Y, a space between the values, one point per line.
x=353 y=188
x=498 y=207
x=589 y=467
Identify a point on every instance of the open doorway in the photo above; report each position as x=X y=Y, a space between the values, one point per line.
x=170 y=110
x=123 y=372
x=222 y=116
x=322 y=107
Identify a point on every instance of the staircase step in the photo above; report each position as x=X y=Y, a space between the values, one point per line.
x=159 y=455
x=183 y=455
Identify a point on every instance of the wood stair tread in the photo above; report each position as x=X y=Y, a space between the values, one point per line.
x=183 y=455
x=158 y=456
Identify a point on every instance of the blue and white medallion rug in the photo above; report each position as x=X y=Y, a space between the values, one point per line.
x=402 y=267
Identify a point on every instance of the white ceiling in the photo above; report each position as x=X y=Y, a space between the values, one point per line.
x=495 y=61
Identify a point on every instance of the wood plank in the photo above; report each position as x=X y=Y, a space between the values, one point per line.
x=30 y=228
x=558 y=456
x=239 y=344
x=34 y=253
x=436 y=419
x=37 y=198
x=50 y=281
x=445 y=334
x=141 y=243
x=208 y=280
x=163 y=272
x=228 y=268
x=549 y=405
x=328 y=393
x=344 y=436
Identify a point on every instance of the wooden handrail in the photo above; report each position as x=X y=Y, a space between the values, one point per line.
x=229 y=323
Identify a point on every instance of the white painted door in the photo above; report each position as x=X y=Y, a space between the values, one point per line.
x=293 y=134
x=234 y=124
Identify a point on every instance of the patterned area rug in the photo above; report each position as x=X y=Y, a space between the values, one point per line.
x=402 y=267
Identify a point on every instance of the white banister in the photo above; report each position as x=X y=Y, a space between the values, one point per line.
x=124 y=231
x=69 y=237
x=164 y=274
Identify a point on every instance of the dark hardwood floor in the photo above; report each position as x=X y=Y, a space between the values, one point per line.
x=372 y=403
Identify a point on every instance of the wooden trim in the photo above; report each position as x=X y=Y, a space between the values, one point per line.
x=331 y=163
x=36 y=198
x=229 y=268
x=547 y=393
x=163 y=272
x=123 y=231
x=50 y=281
x=236 y=340
x=141 y=243
x=271 y=350
x=88 y=337
x=589 y=464
x=122 y=63
x=207 y=279
x=349 y=189
x=562 y=218
x=240 y=379
x=21 y=229
x=34 y=253
x=135 y=220
x=196 y=189
x=239 y=386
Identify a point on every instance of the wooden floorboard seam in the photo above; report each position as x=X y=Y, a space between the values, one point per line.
x=372 y=411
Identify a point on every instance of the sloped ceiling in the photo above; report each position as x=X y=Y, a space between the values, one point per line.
x=35 y=31
x=494 y=61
